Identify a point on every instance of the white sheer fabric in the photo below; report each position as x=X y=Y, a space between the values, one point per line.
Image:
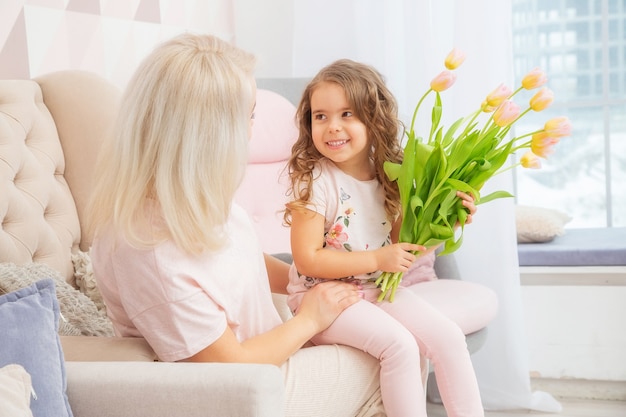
x=407 y=42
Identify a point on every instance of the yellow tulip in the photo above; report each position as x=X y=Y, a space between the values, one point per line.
x=542 y=144
x=443 y=81
x=454 y=59
x=506 y=113
x=497 y=96
x=558 y=127
x=486 y=108
x=542 y=99
x=530 y=160
x=535 y=78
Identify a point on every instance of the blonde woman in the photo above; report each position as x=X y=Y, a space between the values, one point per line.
x=178 y=262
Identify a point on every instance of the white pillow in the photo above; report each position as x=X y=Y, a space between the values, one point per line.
x=15 y=391
x=539 y=224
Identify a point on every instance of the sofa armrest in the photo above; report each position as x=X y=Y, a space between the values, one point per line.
x=446 y=267
x=160 y=389
x=106 y=349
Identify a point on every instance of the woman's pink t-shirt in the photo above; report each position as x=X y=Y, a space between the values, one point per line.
x=180 y=303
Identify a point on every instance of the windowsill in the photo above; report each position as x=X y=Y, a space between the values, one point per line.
x=612 y=275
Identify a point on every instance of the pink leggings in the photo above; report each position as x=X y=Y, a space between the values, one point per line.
x=396 y=333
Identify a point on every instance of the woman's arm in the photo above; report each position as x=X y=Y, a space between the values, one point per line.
x=307 y=239
x=319 y=308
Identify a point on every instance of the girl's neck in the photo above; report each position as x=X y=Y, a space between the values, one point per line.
x=362 y=171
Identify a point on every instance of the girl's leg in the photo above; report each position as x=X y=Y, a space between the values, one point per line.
x=443 y=342
x=365 y=326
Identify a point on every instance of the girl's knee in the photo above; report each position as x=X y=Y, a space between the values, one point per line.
x=450 y=340
x=404 y=343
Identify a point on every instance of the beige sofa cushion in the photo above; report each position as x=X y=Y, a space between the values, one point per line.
x=106 y=349
x=37 y=211
x=50 y=134
x=84 y=107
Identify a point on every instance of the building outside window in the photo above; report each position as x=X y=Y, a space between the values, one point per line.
x=581 y=44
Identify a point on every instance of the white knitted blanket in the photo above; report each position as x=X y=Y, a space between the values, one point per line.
x=80 y=315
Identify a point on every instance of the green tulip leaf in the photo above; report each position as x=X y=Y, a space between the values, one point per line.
x=451 y=246
x=493 y=196
x=449 y=136
x=392 y=170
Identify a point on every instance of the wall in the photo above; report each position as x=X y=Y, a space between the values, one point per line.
x=108 y=37
x=576 y=332
x=265 y=28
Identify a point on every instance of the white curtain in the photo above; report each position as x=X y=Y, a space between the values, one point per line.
x=407 y=41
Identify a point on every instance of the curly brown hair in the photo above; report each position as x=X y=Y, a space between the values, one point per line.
x=374 y=105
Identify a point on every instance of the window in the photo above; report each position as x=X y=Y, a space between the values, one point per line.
x=581 y=44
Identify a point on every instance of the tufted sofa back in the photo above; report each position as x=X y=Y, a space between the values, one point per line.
x=50 y=131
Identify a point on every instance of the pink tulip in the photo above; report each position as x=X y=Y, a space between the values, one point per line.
x=443 y=81
x=558 y=127
x=497 y=96
x=530 y=160
x=506 y=113
x=454 y=59
x=535 y=78
x=542 y=99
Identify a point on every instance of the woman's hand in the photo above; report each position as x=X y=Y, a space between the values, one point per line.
x=397 y=257
x=325 y=301
x=319 y=308
x=468 y=203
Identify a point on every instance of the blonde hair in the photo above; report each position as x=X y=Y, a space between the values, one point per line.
x=374 y=105
x=181 y=141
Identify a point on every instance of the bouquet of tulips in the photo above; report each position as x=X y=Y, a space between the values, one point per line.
x=463 y=157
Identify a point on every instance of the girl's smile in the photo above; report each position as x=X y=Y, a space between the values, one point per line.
x=336 y=143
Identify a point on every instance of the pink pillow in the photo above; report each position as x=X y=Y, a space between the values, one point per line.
x=274 y=130
x=263 y=190
x=422 y=270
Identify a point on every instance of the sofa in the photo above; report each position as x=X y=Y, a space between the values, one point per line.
x=51 y=128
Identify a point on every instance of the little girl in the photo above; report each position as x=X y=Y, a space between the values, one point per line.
x=345 y=218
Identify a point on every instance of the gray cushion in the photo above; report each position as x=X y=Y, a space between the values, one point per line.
x=29 y=321
x=578 y=247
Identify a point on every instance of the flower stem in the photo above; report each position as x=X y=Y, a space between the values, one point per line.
x=507 y=168
x=419 y=103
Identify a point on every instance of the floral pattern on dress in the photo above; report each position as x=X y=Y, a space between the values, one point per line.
x=337 y=237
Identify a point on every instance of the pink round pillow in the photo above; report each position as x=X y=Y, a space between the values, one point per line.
x=274 y=130
x=422 y=270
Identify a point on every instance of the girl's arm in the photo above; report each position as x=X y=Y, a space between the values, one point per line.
x=278 y=272
x=307 y=239
x=319 y=308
